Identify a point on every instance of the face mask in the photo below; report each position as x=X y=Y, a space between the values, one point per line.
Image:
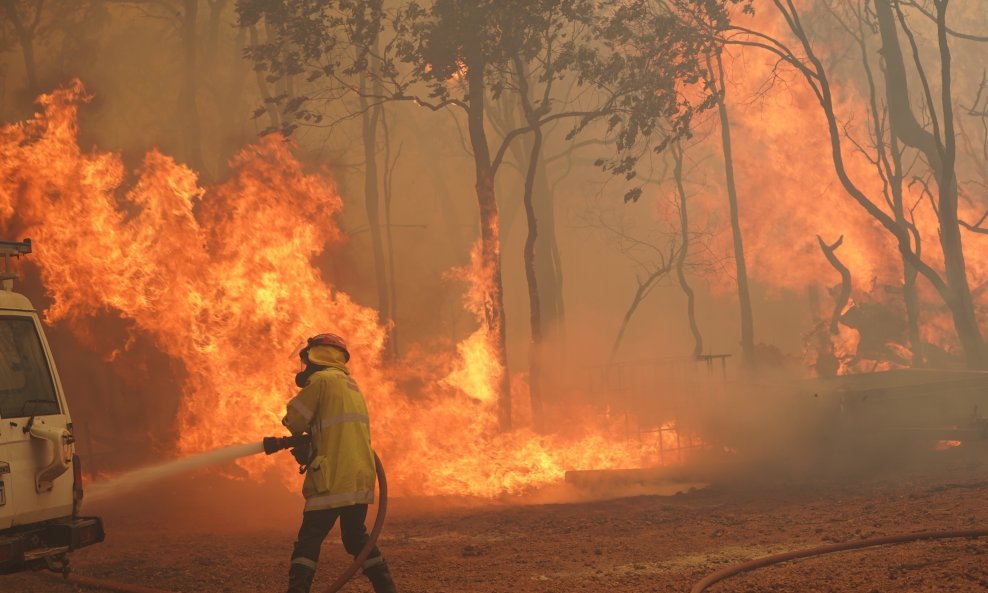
x=302 y=377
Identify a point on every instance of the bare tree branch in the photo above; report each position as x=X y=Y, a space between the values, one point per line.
x=842 y=298
x=932 y=17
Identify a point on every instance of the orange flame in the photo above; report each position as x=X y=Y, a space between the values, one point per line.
x=789 y=194
x=478 y=371
x=220 y=277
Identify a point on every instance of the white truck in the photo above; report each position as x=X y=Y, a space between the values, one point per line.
x=40 y=475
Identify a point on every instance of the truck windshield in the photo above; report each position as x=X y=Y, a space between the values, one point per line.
x=26 y=387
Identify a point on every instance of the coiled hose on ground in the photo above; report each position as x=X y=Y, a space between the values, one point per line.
x=730 y=571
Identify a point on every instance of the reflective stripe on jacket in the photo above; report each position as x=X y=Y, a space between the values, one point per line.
x=332 y=408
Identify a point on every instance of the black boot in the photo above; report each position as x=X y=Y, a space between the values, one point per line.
x=380 y=576
x=300 y=578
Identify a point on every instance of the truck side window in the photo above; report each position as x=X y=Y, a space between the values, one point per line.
x=26 y=387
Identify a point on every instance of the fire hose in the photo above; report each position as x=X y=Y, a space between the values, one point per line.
x=382 y=511
x=109 y=585
x=764 y=561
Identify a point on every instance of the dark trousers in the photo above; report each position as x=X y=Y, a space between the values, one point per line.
x=317 y=524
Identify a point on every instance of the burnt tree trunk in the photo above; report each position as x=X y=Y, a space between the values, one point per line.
x=842 y=298
x=889 y=164
x=190 y=132
x=911 y=298
x=490 y=248
x=230 y=106
x=741 y=267
x=939 y=149
x=531 y=275
x=550 y=268
x=25 y=38
x=388 y=186
x=370 y=117
x=684 y=223
x=910 y=291
x=954 y=290
x=371 y=114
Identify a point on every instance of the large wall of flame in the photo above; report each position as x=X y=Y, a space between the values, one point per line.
x=222 y=279
x=265 y=242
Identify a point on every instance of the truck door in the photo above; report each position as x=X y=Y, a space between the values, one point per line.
x=36 y=444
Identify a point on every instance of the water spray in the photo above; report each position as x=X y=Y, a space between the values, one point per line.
x=146 y=475
x=131 y=480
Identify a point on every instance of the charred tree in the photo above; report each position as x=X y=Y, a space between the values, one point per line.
x=684 y=225
x=826 y=363
x=25 y=26
x=388 y=180
x=953 y=289
x=188 y=109
x=531 y=275
x=888 y=160
x=741 y=267
x=547 y=258
x=939 y=149
x=370 y=118
x=230 y=107
x=490 y=244
x=844 y=295
x=550 y=268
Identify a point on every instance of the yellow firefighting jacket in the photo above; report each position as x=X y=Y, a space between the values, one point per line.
x=332 y=409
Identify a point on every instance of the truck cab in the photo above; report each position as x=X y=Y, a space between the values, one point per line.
x=40 y=473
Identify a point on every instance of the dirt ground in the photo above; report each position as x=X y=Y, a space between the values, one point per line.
x=208 y=534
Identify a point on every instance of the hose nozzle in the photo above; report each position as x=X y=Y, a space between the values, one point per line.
x=275 y=444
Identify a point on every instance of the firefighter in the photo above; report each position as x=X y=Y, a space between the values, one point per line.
x=339 y=481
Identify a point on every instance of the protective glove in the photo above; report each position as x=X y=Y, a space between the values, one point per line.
x=302 y=453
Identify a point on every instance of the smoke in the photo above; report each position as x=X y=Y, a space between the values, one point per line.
x=777 y=427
